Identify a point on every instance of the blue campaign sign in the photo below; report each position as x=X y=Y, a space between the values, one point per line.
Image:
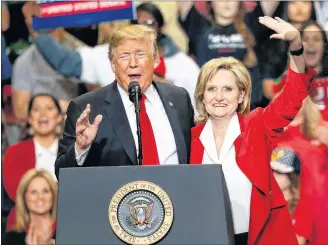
x=55 y=14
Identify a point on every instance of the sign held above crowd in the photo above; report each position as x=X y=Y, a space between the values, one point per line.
x=53 y=14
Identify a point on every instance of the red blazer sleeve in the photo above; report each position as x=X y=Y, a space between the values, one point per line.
x=302 y=218
x=280 y=112
x=18 y=159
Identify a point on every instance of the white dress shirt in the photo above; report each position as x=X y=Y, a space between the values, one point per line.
x=165 y=141
x=239 y=186
x=46 y=157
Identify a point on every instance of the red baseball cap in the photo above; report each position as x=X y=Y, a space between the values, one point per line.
x=160 y=70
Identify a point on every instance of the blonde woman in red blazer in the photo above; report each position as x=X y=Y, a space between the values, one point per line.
x=242 y=141
x=44 y=124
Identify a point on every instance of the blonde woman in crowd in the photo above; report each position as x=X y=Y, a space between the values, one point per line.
x=36 y=202
x=242 y=141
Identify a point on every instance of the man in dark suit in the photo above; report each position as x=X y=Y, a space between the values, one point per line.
x=166 y=112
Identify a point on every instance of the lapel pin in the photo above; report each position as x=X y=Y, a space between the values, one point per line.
x=170 y=103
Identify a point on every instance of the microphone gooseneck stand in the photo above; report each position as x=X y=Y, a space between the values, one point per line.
x=137 y=110
x=135 y=97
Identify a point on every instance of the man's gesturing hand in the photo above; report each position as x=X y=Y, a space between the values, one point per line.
x=86 y=132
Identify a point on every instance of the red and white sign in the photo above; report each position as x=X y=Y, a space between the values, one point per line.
x=54 y=9
x=320 y=91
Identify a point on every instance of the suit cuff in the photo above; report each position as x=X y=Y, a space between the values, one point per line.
x=80 y=158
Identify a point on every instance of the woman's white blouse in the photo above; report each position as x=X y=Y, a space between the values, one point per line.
x=239 y=186
x=46 y=157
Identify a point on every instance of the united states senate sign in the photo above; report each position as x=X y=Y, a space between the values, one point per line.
x=140 y=212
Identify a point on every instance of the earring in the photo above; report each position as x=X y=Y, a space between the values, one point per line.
x=30 y=131
x=58 y=129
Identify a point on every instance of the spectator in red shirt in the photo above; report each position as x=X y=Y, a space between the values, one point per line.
x=308 y=138
x=286 y=165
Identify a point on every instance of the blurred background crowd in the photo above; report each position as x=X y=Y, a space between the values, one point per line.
x=40 y=77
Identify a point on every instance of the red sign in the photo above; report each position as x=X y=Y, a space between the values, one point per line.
x=320 y=91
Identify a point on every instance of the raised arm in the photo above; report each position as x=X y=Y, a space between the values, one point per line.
x=192 y=22
x=5 y=17
x=279 y=113
x=269 y=7
x=65 y=61
x=22 y=85
x=263 y=8
x=184 y=8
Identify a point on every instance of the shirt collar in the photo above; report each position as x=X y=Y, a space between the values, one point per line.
x=208 y=140
x=232 y=134
x=150 y=94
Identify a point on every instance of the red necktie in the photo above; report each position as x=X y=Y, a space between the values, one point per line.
x=149 y=149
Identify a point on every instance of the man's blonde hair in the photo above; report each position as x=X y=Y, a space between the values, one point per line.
x=209 y=70
x=133 y=32
x=22 y=213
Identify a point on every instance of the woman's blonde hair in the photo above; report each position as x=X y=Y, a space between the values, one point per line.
x=209 y=70
x=311 y=118
x=22 y=213
x=294 y=191
x=133 y=32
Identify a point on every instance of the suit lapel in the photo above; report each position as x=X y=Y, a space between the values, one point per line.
x=117 y=117
x=247 y=162
x=172 y=115
x=260 y=203
x=197 y=148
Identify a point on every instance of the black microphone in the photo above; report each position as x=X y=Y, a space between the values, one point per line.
x=135 y=97
x=134 y=92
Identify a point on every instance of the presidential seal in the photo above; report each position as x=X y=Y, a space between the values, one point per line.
x=140 y=213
